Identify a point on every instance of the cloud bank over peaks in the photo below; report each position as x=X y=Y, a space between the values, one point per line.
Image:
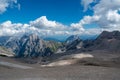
x=41 y=26
x=4 y=4
x=106 y=14
x=8 y=28
x=55 y=28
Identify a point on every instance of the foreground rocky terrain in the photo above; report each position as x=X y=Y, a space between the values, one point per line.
x=73 y=72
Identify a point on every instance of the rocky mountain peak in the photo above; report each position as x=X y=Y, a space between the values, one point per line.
x=109 y=35
x=72 y=38
x=107 y=41
x=31 y=45
x=73 y=42
x=33 y=37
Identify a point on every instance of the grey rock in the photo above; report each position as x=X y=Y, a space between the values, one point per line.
x=73 y=42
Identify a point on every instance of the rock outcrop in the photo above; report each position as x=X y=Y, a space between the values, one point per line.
x=32 y=46
x=5 y=52
x=73 y=42
x=107 y=41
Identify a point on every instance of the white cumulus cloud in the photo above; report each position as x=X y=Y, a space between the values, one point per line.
x=86 y=4
x=4 y=4
x=106 y=15
x=44 y=23
x=41 y=26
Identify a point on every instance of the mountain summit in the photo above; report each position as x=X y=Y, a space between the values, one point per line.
x=31 y=46
x=107 y=41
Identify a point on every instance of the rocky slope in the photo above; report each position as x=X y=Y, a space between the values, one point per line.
x=31 y=46
x=106 y=41
x=73 y=42
x=5 y=52
x=3 y=39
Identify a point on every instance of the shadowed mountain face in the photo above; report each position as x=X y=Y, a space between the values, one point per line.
x=32 y=46
x=73 y=42
x=3 y=39
x=106 y=41
x=109 y=35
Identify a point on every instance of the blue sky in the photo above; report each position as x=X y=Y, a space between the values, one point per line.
x=64 y=11
x=53 y=18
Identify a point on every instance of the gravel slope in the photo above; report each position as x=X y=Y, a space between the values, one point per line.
x=73 y=72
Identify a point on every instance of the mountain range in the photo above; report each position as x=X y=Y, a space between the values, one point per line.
x=33 y=46
x=30 y=46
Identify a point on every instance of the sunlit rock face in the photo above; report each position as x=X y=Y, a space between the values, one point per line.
x=29 y=46
x=73 y=42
